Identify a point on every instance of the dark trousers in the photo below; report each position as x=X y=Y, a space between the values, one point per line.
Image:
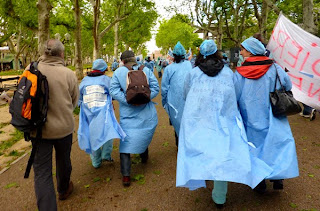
x=125 y=162
x=42 y=166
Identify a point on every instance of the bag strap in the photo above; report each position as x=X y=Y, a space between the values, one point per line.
x=130 y=67
x=277 y=78
x=35 y=144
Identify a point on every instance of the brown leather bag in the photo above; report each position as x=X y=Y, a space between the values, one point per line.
x=138 y=90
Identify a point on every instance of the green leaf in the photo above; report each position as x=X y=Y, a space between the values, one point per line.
x=96 y=179
x=311 y=175
x=10 y=185
x=139 y=178
x=165 y=144
x=293 y=205
x=87 y=186
x=108 y=179
x=157 y=172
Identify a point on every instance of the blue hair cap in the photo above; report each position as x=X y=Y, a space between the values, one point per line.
x=179 y=49
x=207 y=48
x=138 y=58
x=254 y=46
x=99 y=64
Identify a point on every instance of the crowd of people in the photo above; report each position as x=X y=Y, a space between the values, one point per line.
x=224 y=127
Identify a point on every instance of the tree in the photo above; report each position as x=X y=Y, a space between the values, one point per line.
x=133 y=31
x=174 y=30
x=78 y=63
x=308 y=20
x=18 y=25
x=44 y=8
x=97 y=35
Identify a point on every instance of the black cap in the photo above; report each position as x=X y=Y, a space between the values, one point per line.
x=126 y=54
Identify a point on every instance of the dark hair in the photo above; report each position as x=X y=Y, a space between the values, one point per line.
x=178 y=59
x=259 y=37
x=200 y=59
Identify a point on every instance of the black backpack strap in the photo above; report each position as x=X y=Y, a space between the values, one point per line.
x=35 y=144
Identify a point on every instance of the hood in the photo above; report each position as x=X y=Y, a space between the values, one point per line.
x=211 y=67
x=51 y=60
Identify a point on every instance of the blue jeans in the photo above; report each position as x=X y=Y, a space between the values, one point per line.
x=103 y=153
x=125 y=162
x=219 y=192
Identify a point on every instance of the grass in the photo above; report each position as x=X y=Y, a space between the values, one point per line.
x=76 y=111
x=85 y=66
x=11 y=72
x=16 y=136
x=2 y=125
x=15 y=153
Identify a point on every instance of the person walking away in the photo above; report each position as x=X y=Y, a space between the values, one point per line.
x=172 y=87
x=98 y=125
x=225 y=59
x=271 y=135
x=159 y=67
x=212 y=140
x=138 y=121
x=138 y=61
x=149 y=63
x=57 y=130
x=114 y=65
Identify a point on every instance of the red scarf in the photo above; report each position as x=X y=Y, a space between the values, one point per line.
x=255 y=67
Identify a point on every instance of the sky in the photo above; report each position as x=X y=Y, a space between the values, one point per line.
x=160 y=6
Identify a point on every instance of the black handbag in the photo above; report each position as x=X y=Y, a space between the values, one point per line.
x=282 y=102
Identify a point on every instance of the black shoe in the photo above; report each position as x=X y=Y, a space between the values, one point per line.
x=277 y=184
x=261 y=187
x=66 y=195
x=144 y=156
x=219 y=206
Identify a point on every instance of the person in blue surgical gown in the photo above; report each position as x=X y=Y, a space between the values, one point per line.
x=98 y=125
x=138 y=121
x=212 y=139
x=271 y=135
x=172 y=87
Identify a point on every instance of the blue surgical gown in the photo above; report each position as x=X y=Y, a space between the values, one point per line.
x=271 y=135
x=212 y=142
x=97 y=122
x=172 y=90
x=138 y=122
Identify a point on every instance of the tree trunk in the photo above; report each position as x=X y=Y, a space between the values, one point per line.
x=44 y=8
x=308 y=21
x=116 y=39
x=96 y=37
x=264 y=17
x=78 y=56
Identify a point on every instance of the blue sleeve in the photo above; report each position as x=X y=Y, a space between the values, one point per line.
x=237 y=84
x=107 y=80
x=153 y=84
x=164 y=87
x=187 y=86
x=116 y=91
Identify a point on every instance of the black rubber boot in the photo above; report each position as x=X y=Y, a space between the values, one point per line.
x=261 y=187
x=277 y=184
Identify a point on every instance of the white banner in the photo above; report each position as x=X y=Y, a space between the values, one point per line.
x=298 y=51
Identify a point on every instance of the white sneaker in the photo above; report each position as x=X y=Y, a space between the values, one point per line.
x=305 y=115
